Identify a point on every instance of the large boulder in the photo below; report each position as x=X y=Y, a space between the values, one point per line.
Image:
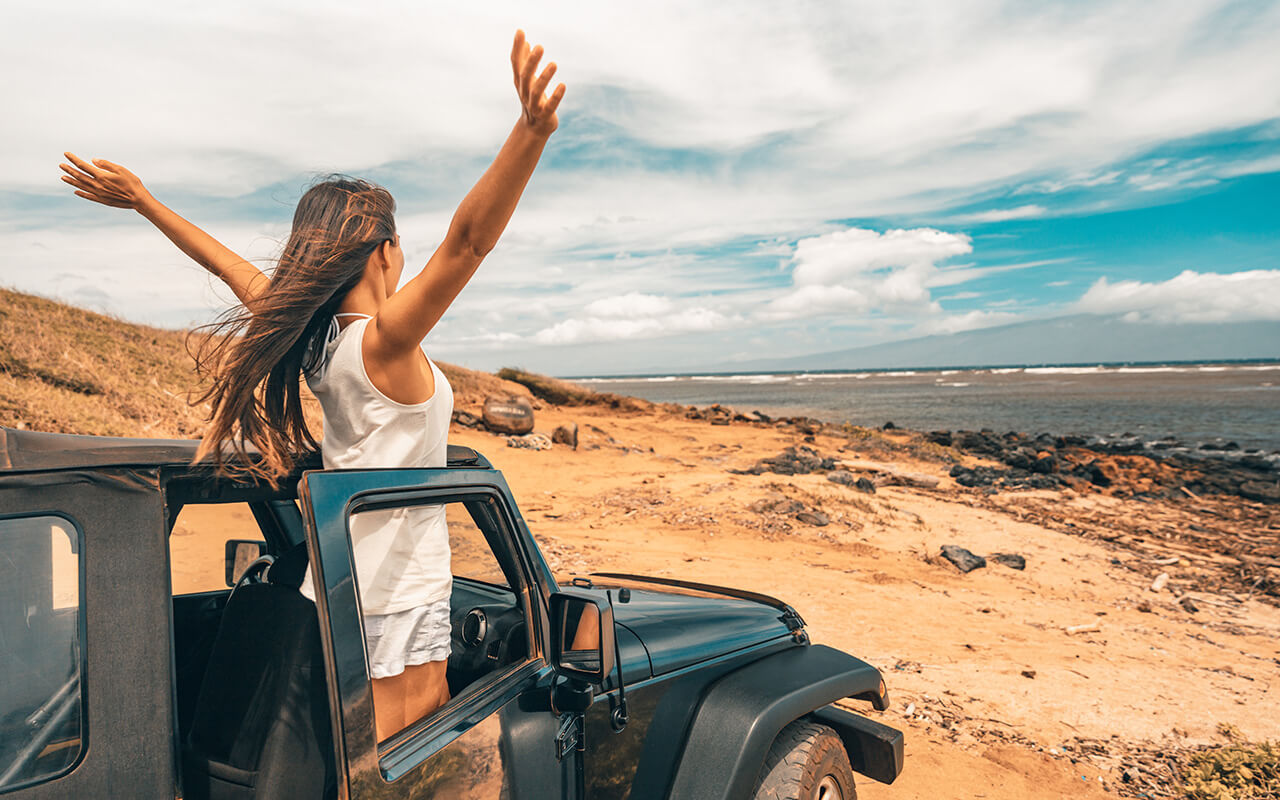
x=509 y=414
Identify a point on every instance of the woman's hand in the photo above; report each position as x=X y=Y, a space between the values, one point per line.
x=105 y=182
x=539 y=110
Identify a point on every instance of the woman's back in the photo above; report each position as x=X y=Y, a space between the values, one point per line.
x=401 y=556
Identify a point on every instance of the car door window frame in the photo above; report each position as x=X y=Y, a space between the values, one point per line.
x=352 y=698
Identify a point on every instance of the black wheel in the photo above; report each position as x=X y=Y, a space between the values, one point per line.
x=807 y=762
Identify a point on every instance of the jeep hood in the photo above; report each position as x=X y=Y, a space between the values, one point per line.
x=680 y=626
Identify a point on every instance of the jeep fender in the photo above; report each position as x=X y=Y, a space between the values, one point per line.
x=742 y=713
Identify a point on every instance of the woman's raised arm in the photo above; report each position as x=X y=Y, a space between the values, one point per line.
x=112 y=185
x=409 y=314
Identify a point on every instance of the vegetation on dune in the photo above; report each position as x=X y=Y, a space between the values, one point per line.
x=67 y=370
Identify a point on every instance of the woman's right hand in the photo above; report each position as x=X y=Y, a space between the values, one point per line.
x=104 y=182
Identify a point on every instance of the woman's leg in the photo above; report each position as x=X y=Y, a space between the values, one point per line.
x=403 y=699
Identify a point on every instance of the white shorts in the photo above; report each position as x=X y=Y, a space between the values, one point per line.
x=406 y=638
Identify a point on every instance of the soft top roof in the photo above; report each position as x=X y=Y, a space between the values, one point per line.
x=34 y=451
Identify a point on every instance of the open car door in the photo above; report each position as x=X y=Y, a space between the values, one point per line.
x=496 y=736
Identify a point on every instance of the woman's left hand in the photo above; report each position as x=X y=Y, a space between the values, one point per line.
x=539 y=110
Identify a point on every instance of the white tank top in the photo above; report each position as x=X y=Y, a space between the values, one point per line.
x=401 y=555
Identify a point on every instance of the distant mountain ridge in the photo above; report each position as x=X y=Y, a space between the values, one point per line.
x=1076 y=339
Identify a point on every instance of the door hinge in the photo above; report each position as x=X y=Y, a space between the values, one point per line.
x=571 y=736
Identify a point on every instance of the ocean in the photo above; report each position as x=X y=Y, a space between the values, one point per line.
x=1195 y=404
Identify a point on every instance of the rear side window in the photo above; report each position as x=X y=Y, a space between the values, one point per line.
x=41 y=703
x=197 y=545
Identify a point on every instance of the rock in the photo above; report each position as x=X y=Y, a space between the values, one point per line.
x=939 y=437
x=888 y=426
x=1010 y=560
x=842 y=477
x=1088 y=627
x=864 y=484
x=776 y=503
x=1144 y=607
x=566 y=434
x=532 y=441
x=1161 y=581
x=799 y=460
x=962 y=558
x=756 y=416
x=719 y=420
x=1021 y=458
x=509 y=414
x=1188 y=605
x=1029 y=673
x=1258 y=490
x=814 y=517
x=1045 y=464
x=467 y=420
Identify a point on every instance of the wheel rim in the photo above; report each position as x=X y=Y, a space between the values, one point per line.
x=828 y=789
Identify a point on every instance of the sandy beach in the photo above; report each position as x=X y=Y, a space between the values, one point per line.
x=997 y=698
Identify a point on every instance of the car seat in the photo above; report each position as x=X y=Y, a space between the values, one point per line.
x=261 y=728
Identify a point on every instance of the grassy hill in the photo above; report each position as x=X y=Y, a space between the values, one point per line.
x=67 y=370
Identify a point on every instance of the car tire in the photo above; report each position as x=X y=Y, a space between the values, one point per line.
x=806 y=762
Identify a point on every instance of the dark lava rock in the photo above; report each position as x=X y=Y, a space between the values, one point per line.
x=799 y=460
x=939 y=437
x=1010 y=560
x=1045 y=464
x=776 y=503
x=1260 y=463
x=816 y=518
x=1093 y=473
x=1021 y=458
x=963 y=559
x=865 y=484
x=888 y=426
x=509 y=414
x=842 y=477
x=975 y=476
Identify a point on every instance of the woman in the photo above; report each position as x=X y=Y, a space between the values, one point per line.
x=331 y=313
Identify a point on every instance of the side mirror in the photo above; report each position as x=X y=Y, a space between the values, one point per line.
x=582 y=635
x=240 y=553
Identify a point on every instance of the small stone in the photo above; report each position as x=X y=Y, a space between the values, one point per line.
x=842 y=477
x=964 y=560
x=864 y=484
x=1188 y=605
x=1144 y=607
x=1029 y=673
x=1161 y=581
x=815 y=518
x=1010 y=560
x=566 y=434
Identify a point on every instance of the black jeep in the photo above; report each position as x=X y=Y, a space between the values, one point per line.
x=125 y=677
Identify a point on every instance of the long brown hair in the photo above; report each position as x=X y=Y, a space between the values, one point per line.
x=256 y=358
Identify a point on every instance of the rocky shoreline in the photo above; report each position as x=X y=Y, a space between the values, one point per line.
x=1124 y=466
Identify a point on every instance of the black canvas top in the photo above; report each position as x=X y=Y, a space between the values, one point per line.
x=32 y=451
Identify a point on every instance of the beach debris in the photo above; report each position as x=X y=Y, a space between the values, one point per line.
x=1029 y=673
x=964 y=560
x=531 y=441
x=1010 y=560
x=1161 y=581
x=813 y=517
x=467 y=420
x=566 y=434
x=509 y=414
x=1088 y=627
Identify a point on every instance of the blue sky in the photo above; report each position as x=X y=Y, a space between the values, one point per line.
x=730 y=181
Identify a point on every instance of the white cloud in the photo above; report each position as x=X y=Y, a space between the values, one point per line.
x=1004 y=214
x=971 y=320
x=653 y=317
x=1189 y=297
